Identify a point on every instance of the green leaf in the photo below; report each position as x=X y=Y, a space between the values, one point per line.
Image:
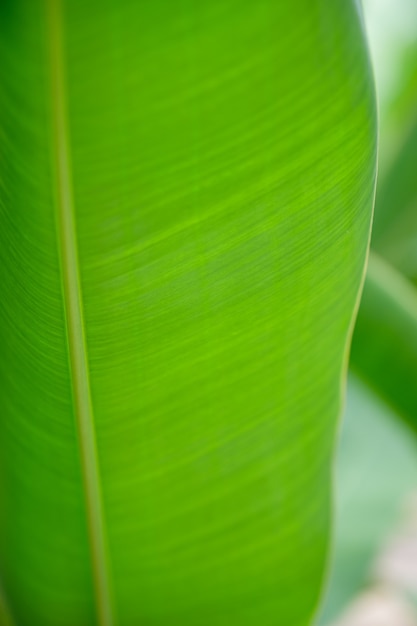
x=384 y=347
x=185 y=199
x=395 y=232
x=376 y=470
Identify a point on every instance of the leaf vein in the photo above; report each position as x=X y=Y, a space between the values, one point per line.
x=77 y=347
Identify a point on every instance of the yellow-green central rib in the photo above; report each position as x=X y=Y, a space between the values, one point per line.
x=74 y=320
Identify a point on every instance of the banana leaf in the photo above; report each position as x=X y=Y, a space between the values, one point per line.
x=186 y=192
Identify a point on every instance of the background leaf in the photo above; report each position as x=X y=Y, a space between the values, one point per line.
x=185 y=201
x=384 y=348
x=395 y=232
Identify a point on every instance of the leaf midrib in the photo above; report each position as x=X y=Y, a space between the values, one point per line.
x=78 y=357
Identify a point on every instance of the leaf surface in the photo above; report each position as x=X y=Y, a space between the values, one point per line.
x=185 y=201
